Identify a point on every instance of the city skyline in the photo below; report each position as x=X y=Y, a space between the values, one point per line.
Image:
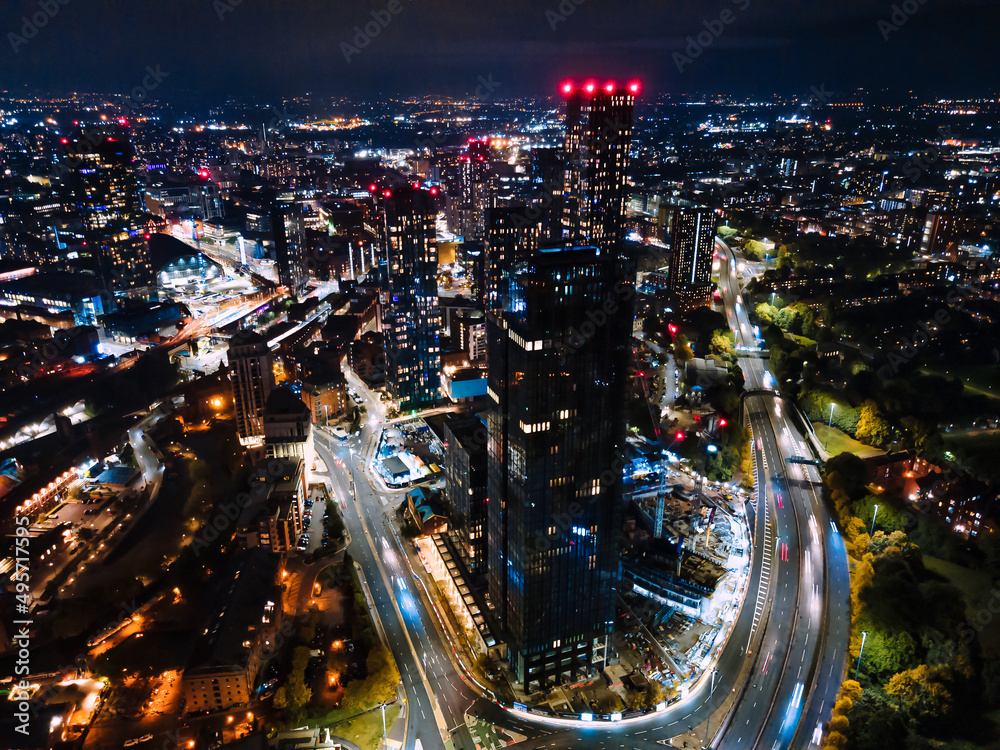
x=430 y=377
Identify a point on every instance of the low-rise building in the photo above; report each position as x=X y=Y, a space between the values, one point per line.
x=325 y=395
x=288 y=430
x=238 y=639
x=273 y=518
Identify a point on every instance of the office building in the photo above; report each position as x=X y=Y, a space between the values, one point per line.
x=252 y=375
x=554 y=433
x=100 y=168
x=411 y=319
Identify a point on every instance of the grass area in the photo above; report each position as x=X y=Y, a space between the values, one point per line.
x=977 y=590
x=836 y=442
x=365 y=731
x=981 y=379
x=800 y=340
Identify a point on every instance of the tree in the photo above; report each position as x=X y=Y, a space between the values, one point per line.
x=722 y=342
x=919 y=693
x=766 y=313
x=872 y=426
x=682 y=349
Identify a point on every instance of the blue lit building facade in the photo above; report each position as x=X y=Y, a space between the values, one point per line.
x=411 y=317
x=559 y=319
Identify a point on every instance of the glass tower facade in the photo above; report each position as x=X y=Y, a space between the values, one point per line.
x=559 y=321
x=411 y=317
x=558 y=354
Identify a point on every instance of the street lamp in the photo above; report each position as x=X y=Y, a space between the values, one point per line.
x=864 y=636
x=873 y=521
x=829 y=427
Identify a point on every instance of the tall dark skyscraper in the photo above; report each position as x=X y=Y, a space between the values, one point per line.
x=554 y=436
x=558 y=328
x=288 y=230
x=108 y=195
x=411 y=318
x=598 y=138
x=692 y=242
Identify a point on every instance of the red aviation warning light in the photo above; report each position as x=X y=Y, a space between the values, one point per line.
x=203 y=174
x=64 y=140
x=387 y=194
x=372 y=188
x=722 y=422
x=434 y=191
x=610 y=87
x=589 y=87
x=672 y=328
x=566 y=87
x=634 y=87
x=679 y=436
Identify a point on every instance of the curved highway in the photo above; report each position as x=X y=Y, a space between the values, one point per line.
x=777 y=675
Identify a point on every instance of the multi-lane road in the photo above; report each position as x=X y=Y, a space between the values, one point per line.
x=812 y=592
x=776 y=677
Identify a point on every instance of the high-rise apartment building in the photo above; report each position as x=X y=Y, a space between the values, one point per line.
x=476 y=191
x=554 y=434
x=691 y=233
x=559 y=319
x=288 y=230
x=108 y=195
x=598 y=139
x=512 y=233
x=252 y=375
x=411 y=318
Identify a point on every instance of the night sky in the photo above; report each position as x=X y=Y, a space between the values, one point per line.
x=211 y=48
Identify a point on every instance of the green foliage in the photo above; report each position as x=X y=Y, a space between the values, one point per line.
x=920 y=694
x=872 y=425
x=766 y=313
x=682 y=349
x=723 y=342
x=379 y=686
x=334 y=523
